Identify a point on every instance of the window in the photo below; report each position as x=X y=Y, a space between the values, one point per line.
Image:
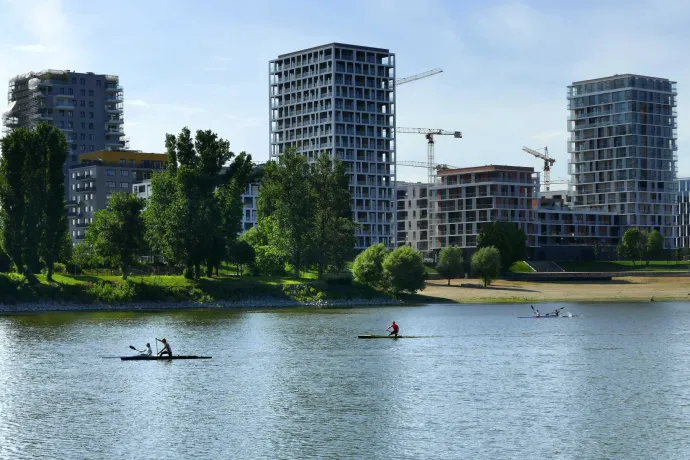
x=74 y=158
x=82 y=81
x=91 y=148
x=72 y=184
x=74 y=80
x=91 y=208
x=132 y=163
x=62 y=124
x=90 y=103
x=124 y=184
x=83 y=126
x=82 y=103
x=90 y=114
x=74 y=146
x=91 y=196
x=82 y=114
x=70 y=125
x=83 y=92
x=90 y=137
x=82 y=137
x=71 y=91
x=62 y=90
x=82 y=147
x=124 y=172
x=109 y=172
x=122 y=161
x=70 y=113
x=90 y=92
x=98 y=83
x=110 y=184
x=61 y=112
x=90 y=125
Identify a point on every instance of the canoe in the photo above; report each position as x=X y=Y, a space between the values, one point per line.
x=370 y=336
x=158 y=358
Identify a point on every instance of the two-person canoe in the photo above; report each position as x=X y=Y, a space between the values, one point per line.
x=157 y=358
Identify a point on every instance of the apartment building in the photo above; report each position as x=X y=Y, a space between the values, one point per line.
x=100 y=174
x=86 y=107
x=623 y=150
x=412 y=215
x=339 y=100
x=464 y=200
x=683 y=213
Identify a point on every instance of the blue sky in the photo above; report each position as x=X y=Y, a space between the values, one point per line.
x=506 y=63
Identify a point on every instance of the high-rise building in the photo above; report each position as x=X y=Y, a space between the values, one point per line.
x=339 y=100
x=623 y=150
x=86 y=107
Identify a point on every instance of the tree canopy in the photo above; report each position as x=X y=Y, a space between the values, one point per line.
x=450 y=263
x=486 y=264
x=507 y=238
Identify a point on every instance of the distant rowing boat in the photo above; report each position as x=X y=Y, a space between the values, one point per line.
x=158 y=358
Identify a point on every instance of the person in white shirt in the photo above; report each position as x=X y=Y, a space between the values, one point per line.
x=147 y=351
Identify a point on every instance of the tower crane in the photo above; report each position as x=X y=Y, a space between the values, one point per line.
x=548 y=162
x=421 y=164
x=419 y=76
x=430 y=133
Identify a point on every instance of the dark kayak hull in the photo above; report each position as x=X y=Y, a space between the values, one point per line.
x=160 y=358
x=542 y=317
x=370 y=336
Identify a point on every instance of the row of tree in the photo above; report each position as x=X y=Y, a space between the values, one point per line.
x=33 y=219
x=637 y=244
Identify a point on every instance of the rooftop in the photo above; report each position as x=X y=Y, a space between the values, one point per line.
x=623 y=75
x=487 y=168
x=334 y=44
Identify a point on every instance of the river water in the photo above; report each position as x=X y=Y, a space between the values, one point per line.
x=609 y=383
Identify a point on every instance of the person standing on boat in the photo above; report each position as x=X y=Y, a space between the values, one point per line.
x=146 y=351
x=166 y=348
x=395 y=328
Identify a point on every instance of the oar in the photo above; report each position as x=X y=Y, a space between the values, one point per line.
x=133 y=348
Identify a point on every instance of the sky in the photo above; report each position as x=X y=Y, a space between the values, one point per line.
x=506 y=64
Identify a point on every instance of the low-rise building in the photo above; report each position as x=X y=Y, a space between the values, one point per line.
x=99 y=174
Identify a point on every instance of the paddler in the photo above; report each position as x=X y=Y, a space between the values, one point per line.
x=395 y=328
x=166 y=348
x=146 y=351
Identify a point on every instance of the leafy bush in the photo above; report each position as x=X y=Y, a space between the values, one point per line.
x=404 y=270
x=302 y=292
x=269 y=261
x=368 y=266
x=113 y=292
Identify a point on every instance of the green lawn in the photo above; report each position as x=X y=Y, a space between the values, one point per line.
x=624 y=265
x=520 y=267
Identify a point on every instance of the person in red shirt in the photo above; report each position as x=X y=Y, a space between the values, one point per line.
x=394 y=328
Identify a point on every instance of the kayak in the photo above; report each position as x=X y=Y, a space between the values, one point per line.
x=158 y=358
x=544 y=317
x=371 y=336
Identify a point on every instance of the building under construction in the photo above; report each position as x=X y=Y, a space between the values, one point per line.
x=86 y=107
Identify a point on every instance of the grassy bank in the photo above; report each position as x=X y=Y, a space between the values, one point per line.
x=111 y=289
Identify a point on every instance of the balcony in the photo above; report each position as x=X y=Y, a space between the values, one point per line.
x=116 y=98
x=63 y=96
x=114 y=108
x=113 y=88
x=87 y=176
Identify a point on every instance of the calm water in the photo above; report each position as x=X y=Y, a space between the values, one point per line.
x=612 y=383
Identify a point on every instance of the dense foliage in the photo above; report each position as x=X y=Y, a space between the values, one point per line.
x=450 y=263
x=368 y=266
x=486 y=264
x=33 y=217
x=403 y=270
x=507 y=238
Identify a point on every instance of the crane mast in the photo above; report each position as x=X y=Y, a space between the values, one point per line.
x=548 y=162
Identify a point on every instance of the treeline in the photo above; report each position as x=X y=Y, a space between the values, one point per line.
x=639 y=245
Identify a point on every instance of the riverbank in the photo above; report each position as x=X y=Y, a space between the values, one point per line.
x=629 y=289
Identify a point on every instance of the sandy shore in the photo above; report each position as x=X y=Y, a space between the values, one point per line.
x=619 y=289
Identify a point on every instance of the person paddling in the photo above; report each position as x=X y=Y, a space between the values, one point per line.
x=166 y=348
x=146 y=351
x=395 y=328
x=535 y=312
x=556 y=312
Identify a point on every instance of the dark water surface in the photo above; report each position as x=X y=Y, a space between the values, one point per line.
x=611 y=383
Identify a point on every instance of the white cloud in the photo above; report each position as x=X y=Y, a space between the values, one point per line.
x=136 y=103
x=36 y=48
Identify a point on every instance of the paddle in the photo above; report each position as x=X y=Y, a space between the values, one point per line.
x=133 y=348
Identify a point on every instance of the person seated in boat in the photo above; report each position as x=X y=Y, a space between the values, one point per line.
x=536 y=312
x=395 y=328
x=166 y=348
x=146 y=351
x=557 y=311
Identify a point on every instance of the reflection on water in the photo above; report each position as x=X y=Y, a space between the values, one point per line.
x=611 y=383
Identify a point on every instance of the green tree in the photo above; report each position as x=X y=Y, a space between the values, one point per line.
x=287 y=196
x=507 y=238
x=654 y=245
x=368 y=266
x=117 y=233
x=450 y=263
x=334 y=230
x=269 y=261
x=633 y=245
x=194 y=211
x=84 y=256
x=33 y=216
x=54 y=231
x=486 y=264
x=242 y=254
x=403 y=270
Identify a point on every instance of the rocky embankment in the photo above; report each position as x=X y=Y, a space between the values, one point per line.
x=247 y=303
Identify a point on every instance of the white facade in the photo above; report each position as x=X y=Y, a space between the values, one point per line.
x=339 y=100
x=623 y=150
x=412 y=215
